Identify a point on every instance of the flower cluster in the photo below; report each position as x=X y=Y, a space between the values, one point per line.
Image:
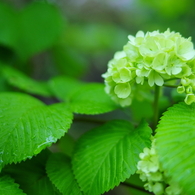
x=152 y=173
x=154 y=58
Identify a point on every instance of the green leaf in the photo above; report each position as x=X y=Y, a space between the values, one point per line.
x=23 y=82
x=83 y=98
x=7 y=25
x=92 y=99
x=175 y=140
x=63 y=87
x=108 y=155
x=40 y=24
x=9 y=187
x=31 y=175
x=68 y=61
x=60 y=173
x=28 y=126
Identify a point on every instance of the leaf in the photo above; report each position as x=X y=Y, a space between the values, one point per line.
x=83 y=98
x=8 y=186
x=28 y=126
x=7 y=25
x=108 y=155
x=63 y=87
x=60 y=173
x=68 y=61
x=91 y=99
x=23 y=82
x=40 y=24
x=175 y=140
x=31 y=175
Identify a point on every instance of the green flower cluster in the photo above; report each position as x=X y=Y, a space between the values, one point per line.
x=152 y=173
x=154 y=58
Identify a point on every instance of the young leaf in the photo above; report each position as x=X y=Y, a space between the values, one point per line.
x=31 y=175
x=63 y=87
x=108 y=155
x=92 y=99
x=175 y=140
x=23 y=82
x=9 y=187
x=60 y=173
x=28 y=126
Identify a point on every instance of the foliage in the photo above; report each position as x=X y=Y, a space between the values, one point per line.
x=63 y=134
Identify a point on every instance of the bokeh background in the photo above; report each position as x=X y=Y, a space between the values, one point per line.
x=77 y=38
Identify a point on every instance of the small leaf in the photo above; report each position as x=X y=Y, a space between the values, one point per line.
x=28 y=126
x=60 y=173
x=63 y=87
x=9 y=187
x=92 y=99
x=108 y=155
x=23 y=82
x=31 y=175
x=175 y=140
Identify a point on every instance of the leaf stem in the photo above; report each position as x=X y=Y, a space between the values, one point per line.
x=172 y=86
x=156 y=106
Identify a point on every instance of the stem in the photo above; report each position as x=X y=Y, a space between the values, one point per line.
x=172 y=86
x=156 y=106
x=136 y=187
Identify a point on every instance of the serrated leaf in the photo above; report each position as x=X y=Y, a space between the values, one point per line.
x=28 y=126
x=175 y=140
x=9 y=187
x=63 y=87
x=31 y=175
x=108 y=155
x=23 y=82
x=60 y=173
x=91 y=99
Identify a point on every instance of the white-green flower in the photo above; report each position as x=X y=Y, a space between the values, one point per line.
x=152 y=58
x=190 y=98
x=184 y=49
x=151 y=172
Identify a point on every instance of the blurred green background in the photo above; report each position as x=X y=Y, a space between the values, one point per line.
x=77 y=38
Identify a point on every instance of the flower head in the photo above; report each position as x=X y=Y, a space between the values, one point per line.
x=151 y=172
x=151 y=58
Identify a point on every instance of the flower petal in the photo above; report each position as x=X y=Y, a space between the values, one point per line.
x=122 y=90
